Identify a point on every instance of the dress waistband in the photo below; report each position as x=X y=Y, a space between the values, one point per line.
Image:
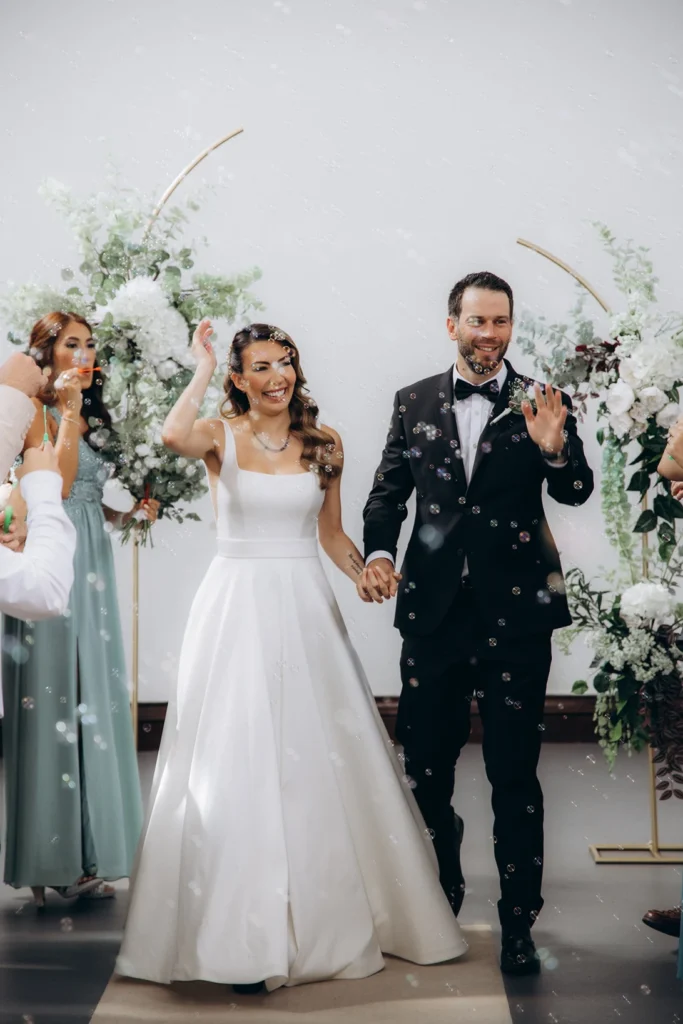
x=297 y=547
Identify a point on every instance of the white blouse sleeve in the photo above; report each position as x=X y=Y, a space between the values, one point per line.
x=36 y=583
x=17 y=413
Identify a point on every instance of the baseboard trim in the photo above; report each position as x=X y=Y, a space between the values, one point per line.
x=567 y=720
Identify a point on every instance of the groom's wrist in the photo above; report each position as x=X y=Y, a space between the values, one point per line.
x=380 y=554
x=554 y=453
x=556 y=459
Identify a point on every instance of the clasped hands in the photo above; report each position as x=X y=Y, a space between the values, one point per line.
x=378 y=582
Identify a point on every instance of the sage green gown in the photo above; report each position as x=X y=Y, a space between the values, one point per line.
x=73 y=803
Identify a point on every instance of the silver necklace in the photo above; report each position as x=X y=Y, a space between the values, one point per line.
x=267 y=447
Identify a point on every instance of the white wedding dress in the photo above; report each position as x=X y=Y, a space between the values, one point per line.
x=281 y=844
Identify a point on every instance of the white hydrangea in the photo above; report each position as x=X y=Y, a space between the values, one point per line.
x=167 y=369
x=648 y=365
x=647 y=601
x=639 y=413
x=162 y=332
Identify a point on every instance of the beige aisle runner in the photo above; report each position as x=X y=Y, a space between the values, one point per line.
x=462 y=991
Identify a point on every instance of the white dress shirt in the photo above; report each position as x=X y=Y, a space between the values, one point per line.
x=36 y=583
x=471 y=416
x=17 y=413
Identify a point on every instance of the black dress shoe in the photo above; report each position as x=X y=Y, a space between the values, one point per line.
x=250 y=990
x=666 y=921
x=519 y=954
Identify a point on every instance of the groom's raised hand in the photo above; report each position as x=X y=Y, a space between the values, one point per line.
x=546 y=425
x=378 y=581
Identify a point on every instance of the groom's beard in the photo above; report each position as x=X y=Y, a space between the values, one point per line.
x=481 y=363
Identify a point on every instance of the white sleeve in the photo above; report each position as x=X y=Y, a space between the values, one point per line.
x=379 y=554
x=36 y=583
x=17 y=413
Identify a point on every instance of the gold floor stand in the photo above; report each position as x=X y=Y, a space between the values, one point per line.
x=653 y=852
x=636 y=853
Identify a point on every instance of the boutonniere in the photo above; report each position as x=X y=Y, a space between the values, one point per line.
x=520 y=391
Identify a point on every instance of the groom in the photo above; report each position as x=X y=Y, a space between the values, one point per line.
x=481 y=587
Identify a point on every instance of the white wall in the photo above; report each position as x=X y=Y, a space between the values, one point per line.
x=390 y=147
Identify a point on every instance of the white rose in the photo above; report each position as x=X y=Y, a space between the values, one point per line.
x=653 y=399
x=647 y=601
x=191 y=470
x=143 y=450
x=621 y=425
x=668 y=415
x=620 y=398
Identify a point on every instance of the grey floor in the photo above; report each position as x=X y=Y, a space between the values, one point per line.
x=601 y=963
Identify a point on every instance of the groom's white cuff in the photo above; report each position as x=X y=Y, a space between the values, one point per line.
x=379 y=554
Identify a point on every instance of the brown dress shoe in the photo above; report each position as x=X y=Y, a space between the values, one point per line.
x=666 y=921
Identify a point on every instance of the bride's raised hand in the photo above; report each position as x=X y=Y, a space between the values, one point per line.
x=201 y=347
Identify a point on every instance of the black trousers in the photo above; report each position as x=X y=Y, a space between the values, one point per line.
x=440 y=675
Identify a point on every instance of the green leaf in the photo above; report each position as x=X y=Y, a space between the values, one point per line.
x=665 y=551
x=601 y=682
x=600 y=436
x=647 y=521
x=580 y=686
x=97 y=280
x=666 y=534
x=616 y=731
x=640 y=481
x=660 y=507
x=67 y=274
x=674 y=506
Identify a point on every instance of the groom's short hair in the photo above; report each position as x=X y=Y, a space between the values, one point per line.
x=480 y=279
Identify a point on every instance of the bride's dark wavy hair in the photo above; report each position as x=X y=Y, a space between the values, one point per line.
x=319 y=450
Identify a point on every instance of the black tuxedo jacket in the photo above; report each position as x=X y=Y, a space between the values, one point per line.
x=497 y=522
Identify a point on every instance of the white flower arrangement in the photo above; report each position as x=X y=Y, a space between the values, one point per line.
x=635 y=628
x=133 y=285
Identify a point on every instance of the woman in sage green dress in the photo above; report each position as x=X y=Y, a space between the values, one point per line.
x=73 y=804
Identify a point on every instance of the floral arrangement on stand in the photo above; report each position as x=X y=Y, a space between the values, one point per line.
x=631 y=617
x=133 y=284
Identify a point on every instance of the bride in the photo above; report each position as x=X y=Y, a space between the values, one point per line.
x=282 y=844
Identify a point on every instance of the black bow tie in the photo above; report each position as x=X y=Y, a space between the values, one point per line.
x=463 y=389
